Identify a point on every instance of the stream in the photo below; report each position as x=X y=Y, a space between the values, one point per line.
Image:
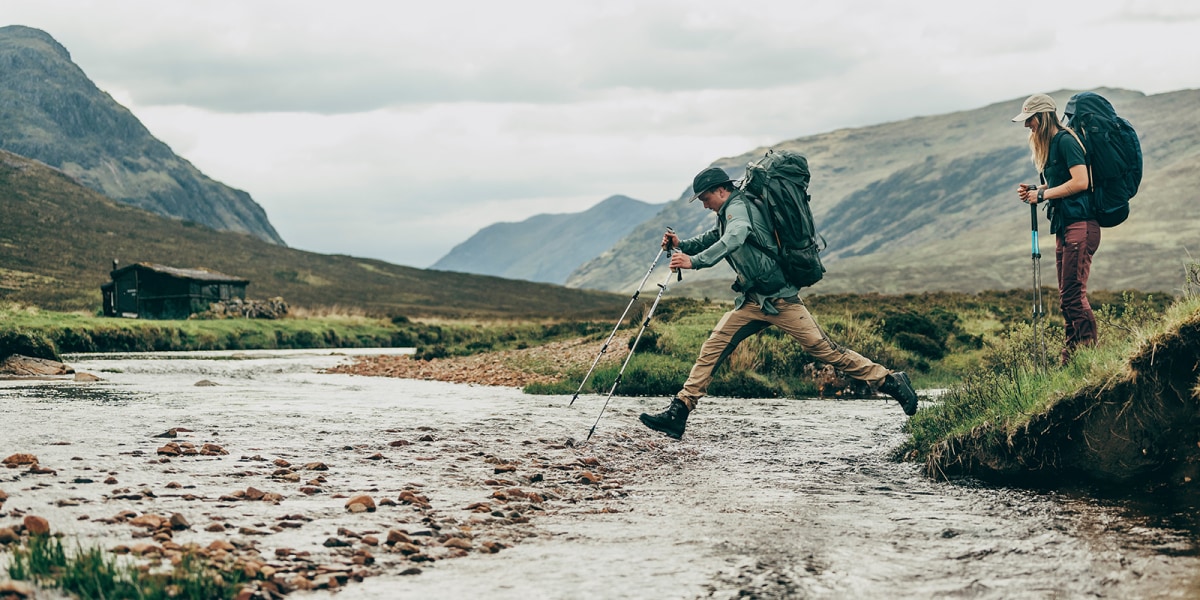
x=763 y=498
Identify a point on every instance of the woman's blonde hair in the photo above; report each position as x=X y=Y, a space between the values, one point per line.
x=1039 y=139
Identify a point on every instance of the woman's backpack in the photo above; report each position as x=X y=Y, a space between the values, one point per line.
x=1114 y=155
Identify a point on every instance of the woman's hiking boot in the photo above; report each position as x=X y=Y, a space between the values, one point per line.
x=671 y=421
x=898 y=386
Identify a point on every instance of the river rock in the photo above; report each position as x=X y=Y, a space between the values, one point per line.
x=7 y=535
x=589 y=478
x=25 y=366
x=3 y=496
x=363 y=500
x=179 y=522
x=86 y=377
x=20 y=459
x=148 y=521
x=395 y=536
x=36 y=525
x=411 y=497
x=16 y=589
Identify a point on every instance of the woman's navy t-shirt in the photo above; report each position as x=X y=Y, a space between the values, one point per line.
x=1065 y=152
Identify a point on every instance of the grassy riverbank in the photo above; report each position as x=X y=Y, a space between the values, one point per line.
x=936 y=337
x=46 y=334
x=1121 y=412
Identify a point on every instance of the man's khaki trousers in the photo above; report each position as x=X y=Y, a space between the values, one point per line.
x=793 y=318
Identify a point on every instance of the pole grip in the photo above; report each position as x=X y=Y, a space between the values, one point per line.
x=1033 y=226
x=670 y=251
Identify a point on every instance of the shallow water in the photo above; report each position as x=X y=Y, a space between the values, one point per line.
x=762 y=498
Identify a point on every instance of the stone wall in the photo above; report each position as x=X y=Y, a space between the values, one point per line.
x=236 y=308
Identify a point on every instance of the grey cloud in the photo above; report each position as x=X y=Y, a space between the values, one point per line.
x=657 y=56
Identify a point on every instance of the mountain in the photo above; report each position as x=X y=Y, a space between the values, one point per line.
x=51 y=111
x=58 y=240
x=930 y=203
x=547 y=248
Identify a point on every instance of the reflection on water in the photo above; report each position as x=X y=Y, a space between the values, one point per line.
x=82 y=392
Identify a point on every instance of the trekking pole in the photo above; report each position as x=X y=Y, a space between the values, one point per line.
x=1039 y=327
x=662 y=287
x=618 y=326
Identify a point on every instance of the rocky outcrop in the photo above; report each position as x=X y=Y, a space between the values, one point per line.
x=54 y=113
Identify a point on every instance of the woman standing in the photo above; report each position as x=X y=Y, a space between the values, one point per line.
x=1059 y=158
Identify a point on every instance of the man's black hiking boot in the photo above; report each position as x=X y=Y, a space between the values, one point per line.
x=899 y=387
x=671 y=421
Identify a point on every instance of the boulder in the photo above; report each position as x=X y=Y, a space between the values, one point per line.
x=20 y=459
x=23 y=366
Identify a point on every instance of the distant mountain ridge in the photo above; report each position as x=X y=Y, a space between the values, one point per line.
x=51 y=111
x=547 y=247
x=929 y=204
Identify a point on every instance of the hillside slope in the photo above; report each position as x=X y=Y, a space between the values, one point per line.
x=929 y=204
x=58 y=240
x=51 y=111
x=547 y=248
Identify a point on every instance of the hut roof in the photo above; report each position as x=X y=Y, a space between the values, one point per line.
x=199 y=274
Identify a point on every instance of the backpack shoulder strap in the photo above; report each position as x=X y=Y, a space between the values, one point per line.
x=753 y=203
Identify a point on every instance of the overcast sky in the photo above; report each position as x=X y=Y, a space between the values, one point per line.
x=395 y=130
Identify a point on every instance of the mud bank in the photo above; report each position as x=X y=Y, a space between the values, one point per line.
x=1140 y=430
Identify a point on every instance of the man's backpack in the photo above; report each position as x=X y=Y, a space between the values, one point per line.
x=1114 y=155
x=778 y=183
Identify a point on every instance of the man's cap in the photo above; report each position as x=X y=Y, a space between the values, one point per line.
x=1037 y=103
x=707 y=180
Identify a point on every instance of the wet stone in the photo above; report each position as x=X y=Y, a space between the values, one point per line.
x=20 y=459
x=395 y=536
x=366 y=504
x=179 y=522
x=35 y=525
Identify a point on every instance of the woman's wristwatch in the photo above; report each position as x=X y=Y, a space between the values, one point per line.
x=1041 y=194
